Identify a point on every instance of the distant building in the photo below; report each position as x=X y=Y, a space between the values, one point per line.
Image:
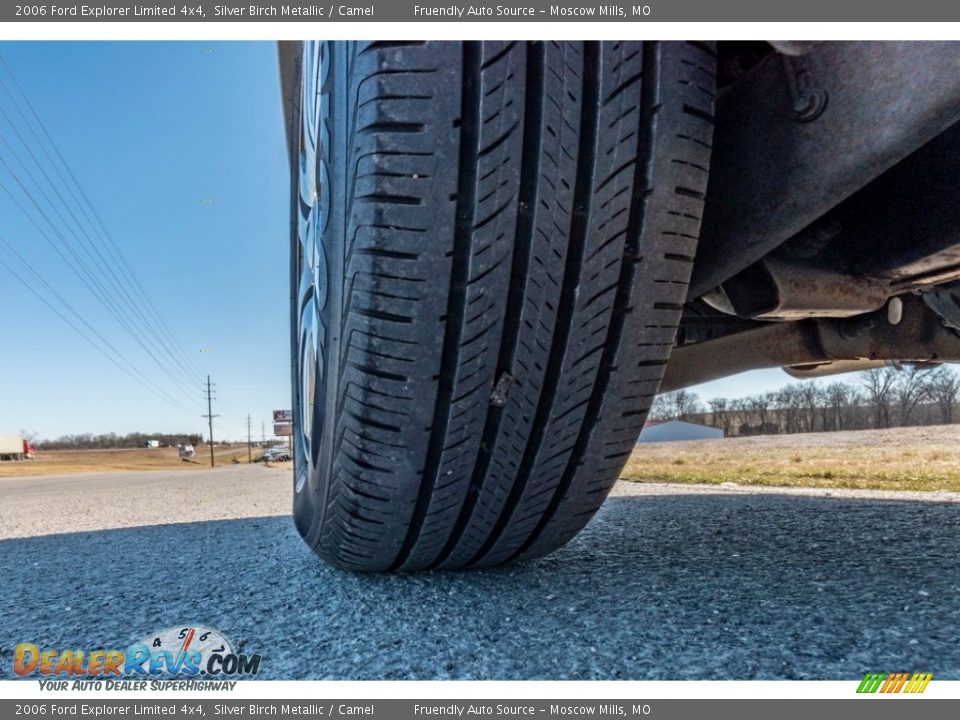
x=671 y=430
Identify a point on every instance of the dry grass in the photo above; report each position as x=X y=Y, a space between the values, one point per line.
x=926 y=458
x=60 y=462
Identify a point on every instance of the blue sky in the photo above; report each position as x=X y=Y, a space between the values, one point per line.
x=755 y=382
x=180 y=148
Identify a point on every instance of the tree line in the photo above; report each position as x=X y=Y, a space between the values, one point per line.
x=106 y=441
x=886 y=397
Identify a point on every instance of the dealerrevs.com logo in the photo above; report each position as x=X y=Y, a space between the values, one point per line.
x=193 y=652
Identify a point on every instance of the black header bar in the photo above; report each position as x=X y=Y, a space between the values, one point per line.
x=507 y=11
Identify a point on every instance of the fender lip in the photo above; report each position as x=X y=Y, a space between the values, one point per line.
x=289 y=57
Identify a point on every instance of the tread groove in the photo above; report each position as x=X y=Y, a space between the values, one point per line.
x=582 y=195
x=621 y=301
x=466 y=192
x=529 y=177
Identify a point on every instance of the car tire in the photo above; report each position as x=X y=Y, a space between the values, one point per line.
x=492 y=245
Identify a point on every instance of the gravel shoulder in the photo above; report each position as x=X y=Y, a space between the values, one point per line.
x=50 y=504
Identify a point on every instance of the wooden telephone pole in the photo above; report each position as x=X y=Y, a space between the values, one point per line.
x=249 y=442
x=210 y=416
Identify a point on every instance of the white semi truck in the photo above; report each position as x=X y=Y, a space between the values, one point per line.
x=14 y=447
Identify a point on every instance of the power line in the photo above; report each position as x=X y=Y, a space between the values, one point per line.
x=112 y=358
x=87 y=275
x=230 y=413
x=122 y=293
x=120 y=309
x=66 y=305
x=117 y=252
x=100 y=260
x=87 y=278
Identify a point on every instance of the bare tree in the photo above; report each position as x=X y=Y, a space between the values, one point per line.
x=685 y=404
x=760 y=406
x=660 y=409
x=679 y=405
x=943 y=385
x=838 y=397
x=880 y=398
x=790 y=404
x=738 y=416
x=880 y=386
x=719 y=417
x=808 y=399
x=910 y=391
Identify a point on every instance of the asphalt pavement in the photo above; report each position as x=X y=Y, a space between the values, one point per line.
x=666 y=583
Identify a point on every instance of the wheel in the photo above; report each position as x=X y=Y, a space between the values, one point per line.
x=492 y=248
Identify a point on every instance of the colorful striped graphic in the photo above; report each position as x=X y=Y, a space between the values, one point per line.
x=894 y=682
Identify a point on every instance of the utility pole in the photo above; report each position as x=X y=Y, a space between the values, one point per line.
x=249 y=443
x=210 y=416
x=263 y=432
